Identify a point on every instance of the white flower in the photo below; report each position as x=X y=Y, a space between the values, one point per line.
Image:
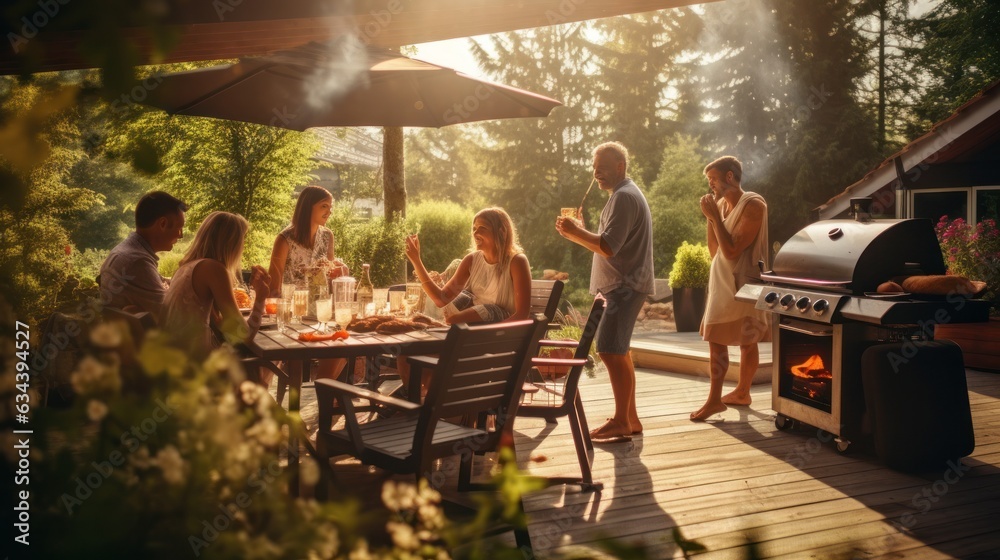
x=328 y=542
x=141 y=458
x=266 y=431
x=360 y=551
x=170 y=462
x=403 y=535
x=248 y=392
x=92 y=376
x=224 y=360
x=309 y=471
x=96 y=410
x=399 y=497
x=106 y=335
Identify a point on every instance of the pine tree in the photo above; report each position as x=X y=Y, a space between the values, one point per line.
x=634 y=59
x=540 y=165
x=959 y=55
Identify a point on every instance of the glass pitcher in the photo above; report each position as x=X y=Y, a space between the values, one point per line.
x=343 y=300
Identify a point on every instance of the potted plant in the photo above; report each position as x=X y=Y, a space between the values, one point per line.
x=974 y=252
x=689 y=282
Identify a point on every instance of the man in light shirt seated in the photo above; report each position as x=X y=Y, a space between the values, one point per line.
x=130 y=279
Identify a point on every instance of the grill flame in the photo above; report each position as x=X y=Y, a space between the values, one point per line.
x=812 y=368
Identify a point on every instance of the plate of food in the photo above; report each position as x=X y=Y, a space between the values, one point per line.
x=244 y=300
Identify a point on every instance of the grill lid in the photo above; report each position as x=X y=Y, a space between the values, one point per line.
x=858 y=256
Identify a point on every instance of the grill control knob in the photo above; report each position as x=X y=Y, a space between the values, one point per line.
x=786 y=300
x=802 y=304
x=771 y=298
x=821 y=306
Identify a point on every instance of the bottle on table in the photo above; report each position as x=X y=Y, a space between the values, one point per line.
x=365 y=292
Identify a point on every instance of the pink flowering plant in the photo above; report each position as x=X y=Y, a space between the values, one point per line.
x=972 y=251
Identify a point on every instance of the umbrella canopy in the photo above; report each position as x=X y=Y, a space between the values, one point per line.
x=327 y=85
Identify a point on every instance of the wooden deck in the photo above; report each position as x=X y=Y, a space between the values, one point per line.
x=737 y=478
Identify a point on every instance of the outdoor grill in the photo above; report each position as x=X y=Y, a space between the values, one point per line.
x=822 y=290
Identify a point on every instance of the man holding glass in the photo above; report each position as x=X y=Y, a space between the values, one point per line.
x=622 y=273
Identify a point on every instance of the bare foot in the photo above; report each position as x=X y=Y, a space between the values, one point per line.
x=705 y=412
x=636 y=427
x=610 y=429
x=735 y=399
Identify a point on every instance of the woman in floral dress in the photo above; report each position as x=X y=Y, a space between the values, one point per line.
x=304 y=250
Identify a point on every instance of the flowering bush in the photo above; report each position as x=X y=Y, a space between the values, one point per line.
x=161 y=457
x=972 y=252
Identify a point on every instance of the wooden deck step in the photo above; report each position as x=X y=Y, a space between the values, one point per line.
x=686 y=353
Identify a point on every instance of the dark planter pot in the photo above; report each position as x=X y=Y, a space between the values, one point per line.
x=689 y=306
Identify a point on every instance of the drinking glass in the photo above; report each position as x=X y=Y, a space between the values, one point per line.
x=284 y=314
x=396 y=300
x=271 y=305
x=287 y=291
x=568 y=213
x=300 y=305
x=380 y=298
x=324 y=312
x=343 y=313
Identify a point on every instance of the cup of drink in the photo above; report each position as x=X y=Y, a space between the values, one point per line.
x=343 y=313
x=284 y=315
x=287 y=291
x=271 y=305
x=300 y=305
x=568 y=213
x=380 y=297
x=324 y=312
x=396 y=300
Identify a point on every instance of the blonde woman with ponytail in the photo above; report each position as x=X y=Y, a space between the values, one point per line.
x=201 y=291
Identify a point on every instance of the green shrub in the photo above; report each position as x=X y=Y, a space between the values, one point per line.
x=373 y=241
x=444 y=229
x=87 y=263
x=691 y=266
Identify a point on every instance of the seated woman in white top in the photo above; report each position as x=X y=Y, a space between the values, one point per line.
x=202 y=288
x=492 y=283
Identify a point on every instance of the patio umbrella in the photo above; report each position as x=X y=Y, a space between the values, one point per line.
x=326 y=85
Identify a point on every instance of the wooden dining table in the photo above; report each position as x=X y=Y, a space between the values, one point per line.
x=272 y=345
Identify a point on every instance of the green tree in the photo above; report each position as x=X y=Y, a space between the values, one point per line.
x=673 y=200
x=781 y=87
x=441 y=165
x=540 y=165
x=959 y=55
x=635 y=62
x=34 y=266
x=248 y=169
x=887 y=88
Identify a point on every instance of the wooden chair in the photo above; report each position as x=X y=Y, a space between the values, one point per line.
x=545 y=296
x=571 y=405
x=481 y=371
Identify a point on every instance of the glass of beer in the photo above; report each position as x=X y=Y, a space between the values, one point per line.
x=300 y=305
x=284 y=316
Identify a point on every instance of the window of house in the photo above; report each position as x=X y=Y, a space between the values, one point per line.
x=932 y=204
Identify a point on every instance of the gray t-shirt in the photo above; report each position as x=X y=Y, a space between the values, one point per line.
x=627 y=229
x=129 y=276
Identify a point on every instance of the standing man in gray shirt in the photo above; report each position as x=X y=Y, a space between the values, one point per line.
x=622 y=273
x=129 y=277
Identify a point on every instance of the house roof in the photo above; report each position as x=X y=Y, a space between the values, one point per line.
x=224 y=29
x=953 y=140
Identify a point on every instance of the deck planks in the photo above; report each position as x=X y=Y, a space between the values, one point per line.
x=738 y=475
